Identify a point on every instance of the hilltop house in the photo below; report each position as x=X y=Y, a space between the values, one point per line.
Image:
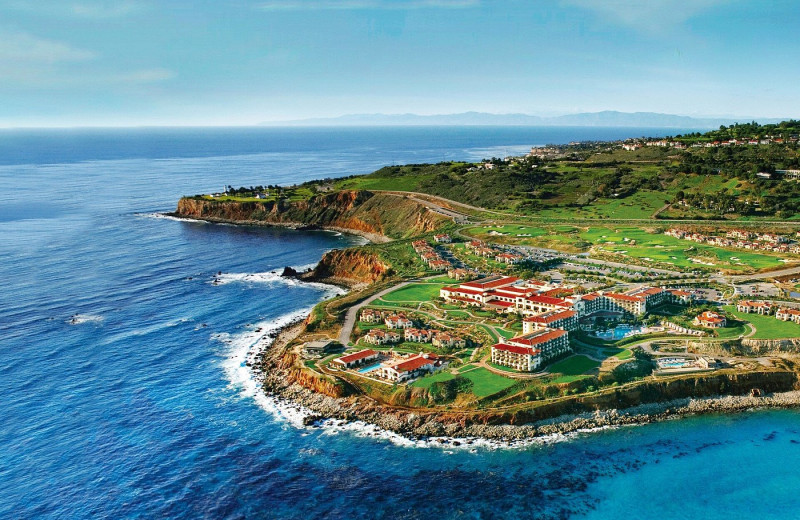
x=711 y=320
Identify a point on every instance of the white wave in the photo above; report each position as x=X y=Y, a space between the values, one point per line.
x=245 y=348
x=168 y=217
x=274 y=277
x=77 y=319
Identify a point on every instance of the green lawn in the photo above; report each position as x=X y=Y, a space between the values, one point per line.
x=574 y=366
x=508 y=334
x=630 y=241
x=486 y=383
x=619 y=354
x=767 y=327
x=637 y=243
x=415 y=292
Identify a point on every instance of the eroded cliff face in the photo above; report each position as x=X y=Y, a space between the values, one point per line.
x=355 y=265
x=360 y=211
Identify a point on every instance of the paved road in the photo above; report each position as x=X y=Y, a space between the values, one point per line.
x=459 y=218
x=352 y=313
x=766 y=275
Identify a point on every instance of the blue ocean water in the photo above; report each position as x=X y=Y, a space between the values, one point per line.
x=124 y=393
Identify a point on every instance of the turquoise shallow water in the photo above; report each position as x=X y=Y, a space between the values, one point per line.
x=124 y=394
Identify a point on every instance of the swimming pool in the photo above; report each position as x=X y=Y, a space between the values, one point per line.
x=674 y=363
x=619 y=332
x=369 y=368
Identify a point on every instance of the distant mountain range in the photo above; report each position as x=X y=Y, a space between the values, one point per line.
x=606 y=118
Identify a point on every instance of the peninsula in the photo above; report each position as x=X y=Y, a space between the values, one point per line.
x=577 y=286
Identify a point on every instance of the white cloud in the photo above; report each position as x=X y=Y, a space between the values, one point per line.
x=23 y=47
x=311 y=5
x=645 y=15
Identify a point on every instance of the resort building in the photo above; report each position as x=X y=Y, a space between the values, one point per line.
x=508 y=258
x=398 y=321
x=373 y=315
x=420 y=335
x=480 y=291
x=410 y=368
x=680 y=297
x=357 y=359
x=321 y=347
x=382 y=337
x=754 y=307
x=711 y=320
x=538 y=304
x=529 y=351
x=447 y=340
x=788 y=314
x=442 y=239
x=461 y=274
x=557 y=319
x=525 y=359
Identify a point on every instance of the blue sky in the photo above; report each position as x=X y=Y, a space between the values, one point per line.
x=204 y=62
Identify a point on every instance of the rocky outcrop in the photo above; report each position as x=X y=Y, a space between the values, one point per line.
x=350 y=265
x=373 y=215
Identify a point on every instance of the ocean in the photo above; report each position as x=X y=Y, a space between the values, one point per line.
x=124 y=337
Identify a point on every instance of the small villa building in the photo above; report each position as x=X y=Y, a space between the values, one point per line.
x=382 y=337
x=711 y=320
x=372 y=315
x=788 y=314
x=420 y=335
x=447 y=340
x=398 y=321
x=754 y=307
x=442 y=239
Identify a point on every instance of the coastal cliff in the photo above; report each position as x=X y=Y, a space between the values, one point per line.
x=375 y=216
x=284 y=377
x=354 y=265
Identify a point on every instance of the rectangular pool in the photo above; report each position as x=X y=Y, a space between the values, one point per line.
x=369 y=368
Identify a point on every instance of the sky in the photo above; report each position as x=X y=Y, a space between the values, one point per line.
x=241 y=62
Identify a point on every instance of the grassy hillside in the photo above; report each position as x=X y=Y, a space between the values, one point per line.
x=603 y=180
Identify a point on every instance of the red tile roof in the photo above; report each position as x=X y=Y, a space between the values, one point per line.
x=357 y=356
x=538 y=339
x=459 y=290
x=547 y=300
x=412 y=364
x=516 y=349
x=550 y=317
x=491 y=282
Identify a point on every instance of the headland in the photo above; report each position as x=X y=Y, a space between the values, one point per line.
x=576 y=287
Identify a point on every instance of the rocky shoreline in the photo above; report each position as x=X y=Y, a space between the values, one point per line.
x=457 y=428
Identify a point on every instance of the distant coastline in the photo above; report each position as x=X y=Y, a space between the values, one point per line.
x=609 y=118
